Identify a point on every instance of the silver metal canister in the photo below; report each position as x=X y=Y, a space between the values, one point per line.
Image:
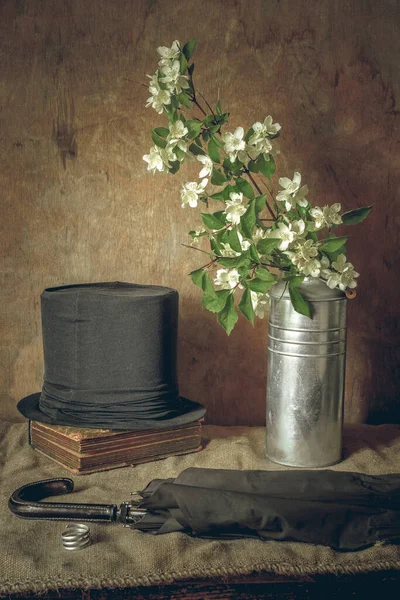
x=306 y=372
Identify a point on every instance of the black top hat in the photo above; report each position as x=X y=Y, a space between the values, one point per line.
x=110 y=359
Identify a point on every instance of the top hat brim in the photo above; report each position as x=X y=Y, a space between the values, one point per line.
x=190 y=411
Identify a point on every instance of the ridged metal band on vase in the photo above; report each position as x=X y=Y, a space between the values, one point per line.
x=306 y=373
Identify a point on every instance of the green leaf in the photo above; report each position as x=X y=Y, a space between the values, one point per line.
x=218 y=108
x=222 y=195
x=171 y=113
x=214 y=245
x=216 y=302
x=158 y=139
x=248 y=220
x=188 y=48
x=259 y=285
x=357 y=215
x=180 y=155
x=183 y=63
x=185 y=99
x=260 y=203
x=265 y=275
x=190 y=70
x=196 y=150
x=266 y=167
x=207 y=285
x=215 y=221
x=217 y=141
x=161 y=131
x=194 y=128
x=334 y=255
x=313 y=236
x=197 y=277
x=245 y=187
x=268 y=245
x=194 y=234
x=252 y=166
x=249 y=134
x=253 y=253
x=234 y=262
x=217 y=178
x=303 y=211
x=208 y=120
x=213 y=151
x=232 y=167
x=246 y=306
x=228 y=316
x=300 y=304
x=174 y=101
x=174 y=168
x=333 y=244
x=233 y=240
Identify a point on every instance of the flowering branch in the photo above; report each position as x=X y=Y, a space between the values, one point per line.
x=242 y=247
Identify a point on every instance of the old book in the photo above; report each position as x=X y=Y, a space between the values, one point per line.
x=90 y=450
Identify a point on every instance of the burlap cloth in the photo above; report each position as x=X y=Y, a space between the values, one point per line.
x=33 y=558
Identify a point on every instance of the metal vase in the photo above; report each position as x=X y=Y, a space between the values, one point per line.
x=306 y=373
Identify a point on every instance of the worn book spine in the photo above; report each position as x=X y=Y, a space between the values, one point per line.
x=111 y=449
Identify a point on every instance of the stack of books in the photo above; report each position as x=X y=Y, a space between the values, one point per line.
x=84 y=451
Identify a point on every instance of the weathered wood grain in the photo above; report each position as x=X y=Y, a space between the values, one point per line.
x=78 y=204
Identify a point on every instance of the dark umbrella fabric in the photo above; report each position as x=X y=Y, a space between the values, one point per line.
x=346 y=511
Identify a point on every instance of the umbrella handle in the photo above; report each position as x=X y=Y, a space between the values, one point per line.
x=25 y=503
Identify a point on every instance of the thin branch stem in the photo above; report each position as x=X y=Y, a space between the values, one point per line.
x=195 y=248
x=199 y=106
x=265 y=183
x=205 y=100
x=275 y=266
x=209 y=264
x=250 y=176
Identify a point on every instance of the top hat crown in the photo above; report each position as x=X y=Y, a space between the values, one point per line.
x=110 y=358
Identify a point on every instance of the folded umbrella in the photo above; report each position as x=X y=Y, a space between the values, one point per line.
x=346 y=511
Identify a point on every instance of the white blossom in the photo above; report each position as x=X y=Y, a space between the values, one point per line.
x=258 y=145
x=169 y=54
x=289 y=233
x=344 y=275
x=234 y=142
x=176 y=131
x=326 y=216
x=235 y=208
x=227 y=279
x=183 y=145
x=260 y=303
x=159 y=98
x=311 y=267
x=172 y=77
x=227 y=251
x=266 y=128
x=159 y=159
x=208 y=165
x=292 y=194
x=258 y=234
x=191 y=192
x=259 y=142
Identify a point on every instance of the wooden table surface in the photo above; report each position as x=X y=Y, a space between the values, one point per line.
x=383 y=585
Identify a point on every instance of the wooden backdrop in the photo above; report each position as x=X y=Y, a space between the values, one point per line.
x=79 y=206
